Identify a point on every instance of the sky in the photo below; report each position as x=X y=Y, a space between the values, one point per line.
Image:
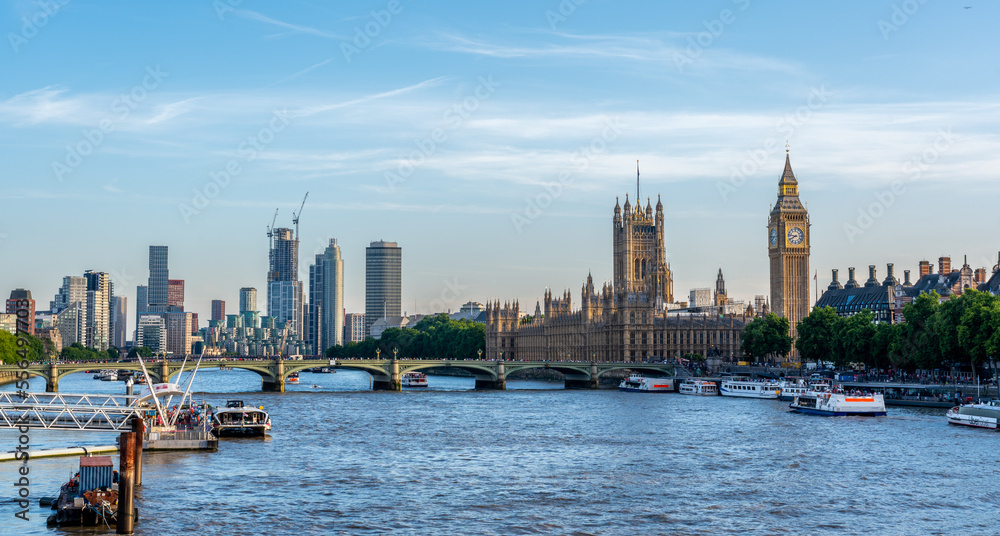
x=490 y=140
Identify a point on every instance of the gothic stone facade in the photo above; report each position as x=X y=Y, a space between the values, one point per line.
x=788 y=248
x=625 y=321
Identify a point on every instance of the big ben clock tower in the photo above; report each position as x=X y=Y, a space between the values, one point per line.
x=788 y=248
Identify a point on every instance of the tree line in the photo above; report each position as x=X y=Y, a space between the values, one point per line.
x=434 y=337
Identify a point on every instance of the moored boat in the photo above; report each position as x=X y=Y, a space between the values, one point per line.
x=640 y=384
x=747 y=388
x=293 y=378
x=699 y=388
x=236 y=419
x=838 y=403
x=414 y=379
x=90 y=498
x=984 y=415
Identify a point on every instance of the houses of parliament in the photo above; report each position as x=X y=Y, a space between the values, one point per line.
x=635 y=317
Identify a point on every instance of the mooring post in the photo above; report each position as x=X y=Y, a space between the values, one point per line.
x=139 y=428
x=594 y=381
x=126 y=480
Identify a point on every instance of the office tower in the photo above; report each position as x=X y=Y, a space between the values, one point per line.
x=354 y=327
x=151 y=332
x=194 y=323
x=175 y=295
x=285 y=297
x=21 y=305
x=218 y=310
x=383 y=282
x=97 y=334
x=248 y=299
x=159 y=275
x=119 y=321
x=179 y=330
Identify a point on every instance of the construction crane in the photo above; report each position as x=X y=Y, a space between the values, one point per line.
x=295 y=215
x=270 y=231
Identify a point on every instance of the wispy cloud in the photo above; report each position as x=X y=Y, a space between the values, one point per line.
x=169 y=111
x=302 y=72
x=42 y=105
x=303 y=112
x=253 y=15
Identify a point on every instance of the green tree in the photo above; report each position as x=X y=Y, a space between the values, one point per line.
x=767 y=337
x=853 y=339
x=916 y=344
x=882 y=350
x=140 y=351
x=817 y=338
x=436 y=337
x=10 y=352
x=978 y=329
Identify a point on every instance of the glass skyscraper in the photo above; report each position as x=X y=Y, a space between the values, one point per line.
x=383 y=282
x=158 y=294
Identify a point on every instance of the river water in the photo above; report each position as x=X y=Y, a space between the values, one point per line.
x=538 y=459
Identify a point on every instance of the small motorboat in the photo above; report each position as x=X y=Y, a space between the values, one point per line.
x=236 y=419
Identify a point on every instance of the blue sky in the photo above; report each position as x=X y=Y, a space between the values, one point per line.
x=489 y=140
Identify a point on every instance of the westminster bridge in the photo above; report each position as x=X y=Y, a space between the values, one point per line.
x=386 y=373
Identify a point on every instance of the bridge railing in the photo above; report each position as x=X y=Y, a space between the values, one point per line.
x=67 y=411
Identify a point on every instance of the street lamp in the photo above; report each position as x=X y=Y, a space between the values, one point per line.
x=378 y=353
x=480 y=352
x=394 y=352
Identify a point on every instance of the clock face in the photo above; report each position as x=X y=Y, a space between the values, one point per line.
x=774 y=237
x=795 y=236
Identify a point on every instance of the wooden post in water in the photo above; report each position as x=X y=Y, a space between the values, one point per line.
x=139 y=428
x=126 y=479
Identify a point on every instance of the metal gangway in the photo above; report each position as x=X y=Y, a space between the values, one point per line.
x=62 y=411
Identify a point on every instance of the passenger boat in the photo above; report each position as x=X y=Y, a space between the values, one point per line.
x=239 y=420
x=639 y=384
x=414 y=379
x=293 y=378
x=985 y=415
x=90 y=498
x=699 y=388
x=837 y=403
x=107 y=376
x=747 y=388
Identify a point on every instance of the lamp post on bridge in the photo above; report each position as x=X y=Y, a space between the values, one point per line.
x=480 y=352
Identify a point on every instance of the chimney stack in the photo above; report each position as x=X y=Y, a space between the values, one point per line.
x=925 y=268
x=980 y=275
x=851 y=283
x=836 y=281
x=890 y=280
x=944 y=265
x=906 y=275
x=872 y=281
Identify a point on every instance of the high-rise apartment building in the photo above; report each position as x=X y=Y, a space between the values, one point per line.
x=354 y=327
x=97 y=334
x=69 y=308
x=179 y=339
x=248 y=299
x=159 y=275
x=74 y=289
x=141 y=304
x=119 y=321
x=218 y=310
x=21 y=305
x=326 y=299
x=285 y=296
x=175 y=295
x=383 y=282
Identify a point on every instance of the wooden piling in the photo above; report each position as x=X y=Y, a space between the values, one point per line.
x=126 y=479
x=139 y=428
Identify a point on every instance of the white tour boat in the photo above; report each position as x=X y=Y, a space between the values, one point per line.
x=293 y=378
x=699 y=388
x=107 y=376
x=747 y=388
x=985 y=415
x=414 y=379
x=837 y=403
x=237 y=419
x=639 y=384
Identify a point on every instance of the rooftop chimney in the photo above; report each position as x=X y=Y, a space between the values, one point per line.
x=872 y=281
x=906 y=282
x=836 y=282
x=944 y=265
x=851 y=283
x=980 y=275
x=890 y=280
x=925 y=268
